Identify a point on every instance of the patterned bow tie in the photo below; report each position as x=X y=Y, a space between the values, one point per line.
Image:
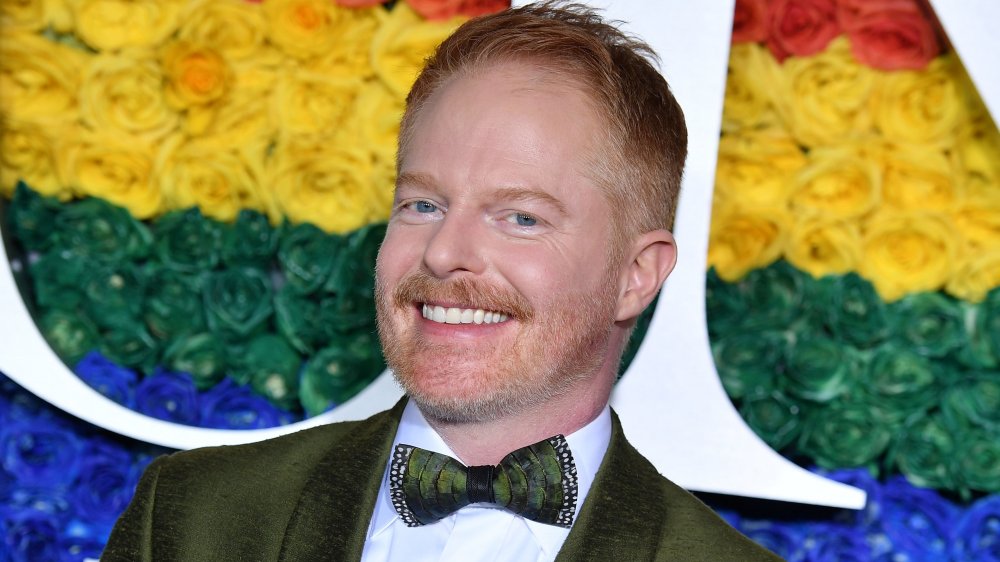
x=537 y=482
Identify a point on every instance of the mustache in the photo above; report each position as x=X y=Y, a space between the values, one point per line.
x=423 y=287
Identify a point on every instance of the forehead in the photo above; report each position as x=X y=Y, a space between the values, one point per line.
x=507 y=124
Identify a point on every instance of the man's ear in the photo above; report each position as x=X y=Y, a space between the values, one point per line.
x=651 y=259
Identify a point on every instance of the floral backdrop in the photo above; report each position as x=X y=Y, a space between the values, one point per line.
x=194 y=190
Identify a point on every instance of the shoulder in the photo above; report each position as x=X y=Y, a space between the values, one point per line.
x=274 y=467
x=683 y=523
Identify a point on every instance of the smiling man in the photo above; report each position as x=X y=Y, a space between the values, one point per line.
x=539 y=164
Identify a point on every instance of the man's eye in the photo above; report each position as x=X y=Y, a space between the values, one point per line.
x=525 y=220
x=424 y=206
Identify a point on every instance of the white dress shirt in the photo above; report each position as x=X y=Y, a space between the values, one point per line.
x=478 y=532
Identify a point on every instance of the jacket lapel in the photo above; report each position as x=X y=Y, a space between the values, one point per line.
x=331 y=518
x=606 y=531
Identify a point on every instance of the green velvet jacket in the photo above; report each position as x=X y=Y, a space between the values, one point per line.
x=309 y=496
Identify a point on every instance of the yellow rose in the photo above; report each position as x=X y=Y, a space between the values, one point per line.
x=837 y=183
x=977 y=274
x=979 y=224
x=124 y=92
x=921 y=107
x=39 y=79
x=916 y=177
x=824 y=246
x=404 y=42
x=977 y=151
x=907 y=252
x=326 y=184
x=34 y=15
x=743 y=239
x=824 y=99
x=220 y=185
x=376 y=116
x=306 y=28
x=748 y=90
x=351 y=55
x=27 y=153
x=242 y=116
x=235 y=28
x=307 y=103
x=108 y=25
x=115 y=167
x=383 y=184
x=755 y=166
x=195 y=74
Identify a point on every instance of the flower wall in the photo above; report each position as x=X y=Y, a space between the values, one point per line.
x=194 y=191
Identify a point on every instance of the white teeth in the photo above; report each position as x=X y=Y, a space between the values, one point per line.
x=456 y=315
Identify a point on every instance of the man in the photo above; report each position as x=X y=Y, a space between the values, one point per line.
x=539 y=162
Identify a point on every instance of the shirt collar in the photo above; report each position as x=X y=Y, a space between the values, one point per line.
x=588 y=445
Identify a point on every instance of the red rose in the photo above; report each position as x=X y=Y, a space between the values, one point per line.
x=750 y=21
x=800 y=27
x=889 y=34
x=447 y=9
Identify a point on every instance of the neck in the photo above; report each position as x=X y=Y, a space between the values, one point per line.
x=487 y=442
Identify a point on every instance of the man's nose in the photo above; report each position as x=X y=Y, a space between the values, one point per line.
x=456 y=245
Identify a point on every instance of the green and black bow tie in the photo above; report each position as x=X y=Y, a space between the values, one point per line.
x=537 y=482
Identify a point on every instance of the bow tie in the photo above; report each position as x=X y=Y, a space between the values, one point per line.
x=537 y=482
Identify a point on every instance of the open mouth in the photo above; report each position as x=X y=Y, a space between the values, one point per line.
x=454 y=315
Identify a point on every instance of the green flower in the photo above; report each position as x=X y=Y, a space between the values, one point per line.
x=113 y=295
x=187 y=241
x=338 y=372
x=749 y=362
x=974 y=402
x=202 y=355
x=354 y=270
x=818 y=368
x=725 y=303
x=174 y=305
x=982 y=321
x=237 y=301
x=70 y=334
x=271 y=366
x=774 y=417
x=774 y=295
x=97 y=230
x=299 y=320
x=923 y=451
x=977 y=459
x=129 y=344
x=844 y=434
x=31 y=218
x=853 y=311
x=930 y=323
x=55 y=278
x=250 y=241
x=307 y=256
x=899 y=382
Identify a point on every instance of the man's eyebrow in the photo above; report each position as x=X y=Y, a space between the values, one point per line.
x=528 y=194
x=415 y=179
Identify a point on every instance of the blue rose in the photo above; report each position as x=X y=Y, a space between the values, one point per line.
x=977 y=534
x=781 y=539
x=39 y=451
x=106 y=482
x=113 y=381
x=918 y=521
x=168 y=396
x=859 y=478
x=29 y=535
x=81 y=541
x=228 y=405
x=826 y=541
